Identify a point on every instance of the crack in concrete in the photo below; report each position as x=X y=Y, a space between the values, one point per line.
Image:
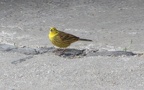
x=21 y=60
x=68 y=53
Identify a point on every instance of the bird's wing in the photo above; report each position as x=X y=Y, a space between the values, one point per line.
x=67 y=37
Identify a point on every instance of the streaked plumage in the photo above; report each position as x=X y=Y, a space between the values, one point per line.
x=62 y=39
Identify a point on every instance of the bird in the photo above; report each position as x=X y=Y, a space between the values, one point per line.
x=62 y=39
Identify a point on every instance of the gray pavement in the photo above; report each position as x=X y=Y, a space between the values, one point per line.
x=113 y=61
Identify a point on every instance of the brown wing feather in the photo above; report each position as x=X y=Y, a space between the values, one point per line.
x=65 y=37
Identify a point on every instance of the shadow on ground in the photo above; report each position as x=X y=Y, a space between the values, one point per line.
x=67 y=53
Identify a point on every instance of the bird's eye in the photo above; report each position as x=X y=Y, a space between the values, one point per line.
x=51 y=30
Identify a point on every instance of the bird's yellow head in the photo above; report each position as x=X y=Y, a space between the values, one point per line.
x=53 y=31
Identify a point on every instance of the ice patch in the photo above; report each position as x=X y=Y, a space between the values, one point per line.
x=72 y=29
x=90 y=46
x=109 y=48
x=22 y=37
x=132 y=33
x=6 y=36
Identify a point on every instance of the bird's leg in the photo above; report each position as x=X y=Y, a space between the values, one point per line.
x=62 y=52
x=59 y=51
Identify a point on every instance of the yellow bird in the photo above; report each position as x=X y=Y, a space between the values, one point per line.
x=62 y=39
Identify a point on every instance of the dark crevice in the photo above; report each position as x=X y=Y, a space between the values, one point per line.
x=67 y=53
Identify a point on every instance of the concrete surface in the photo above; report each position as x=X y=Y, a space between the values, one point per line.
x=113 y=61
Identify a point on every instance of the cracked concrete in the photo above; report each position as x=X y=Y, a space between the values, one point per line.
x=113 y=61
x=68 y=53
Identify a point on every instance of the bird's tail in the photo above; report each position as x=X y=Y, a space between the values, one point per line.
x=81 y=39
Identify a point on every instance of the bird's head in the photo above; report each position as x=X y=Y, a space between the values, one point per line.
x=53 y=30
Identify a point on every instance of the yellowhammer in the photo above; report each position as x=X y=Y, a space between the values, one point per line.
x=62 y=39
